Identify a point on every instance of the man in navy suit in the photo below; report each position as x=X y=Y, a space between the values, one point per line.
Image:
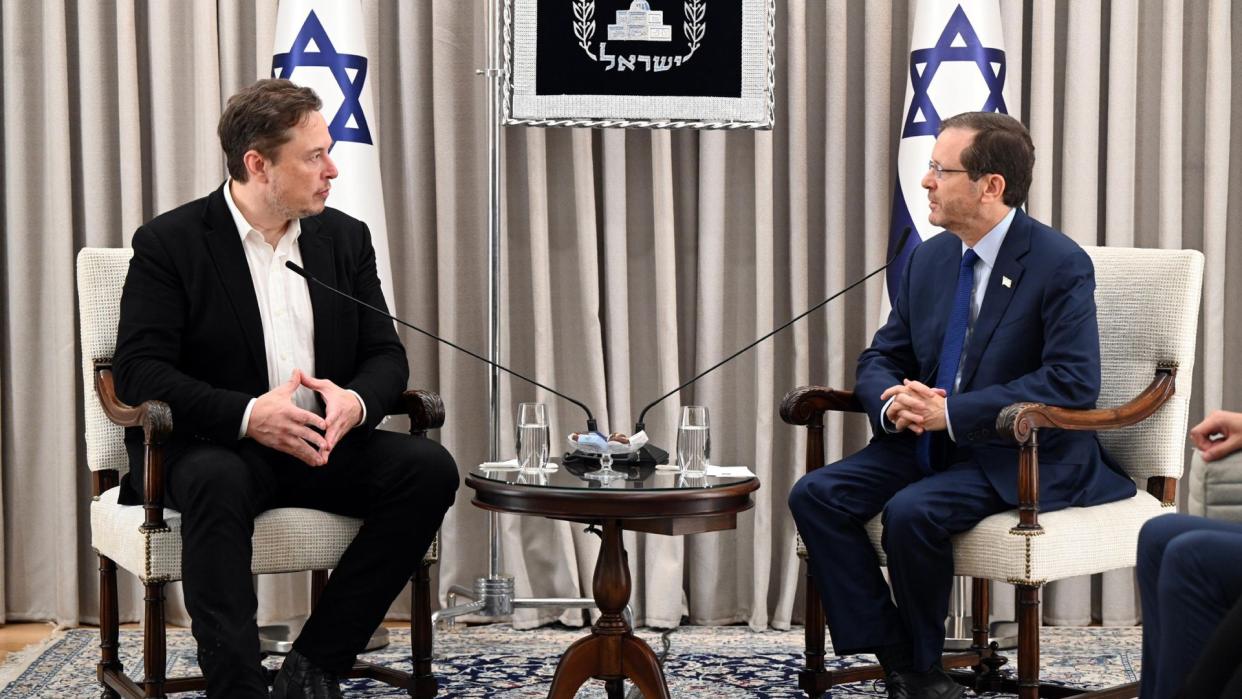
x=276 y=388
x=997 y=309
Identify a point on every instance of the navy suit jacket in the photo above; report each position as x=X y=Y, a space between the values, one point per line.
x=190 y=332
x=1035 y=339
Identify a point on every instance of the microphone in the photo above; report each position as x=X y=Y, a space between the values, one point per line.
x=659 y=455
x=591 y=425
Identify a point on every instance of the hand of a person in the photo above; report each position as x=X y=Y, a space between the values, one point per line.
x=277 y=423
x=913 y=405
x=1221 y=422
x=342 y=411
x=933 y=404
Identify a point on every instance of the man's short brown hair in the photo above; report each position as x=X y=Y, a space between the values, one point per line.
x=1001 y=146
x=259 y=118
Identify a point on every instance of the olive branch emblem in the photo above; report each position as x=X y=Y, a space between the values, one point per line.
x=695 y=27
x=584 y=24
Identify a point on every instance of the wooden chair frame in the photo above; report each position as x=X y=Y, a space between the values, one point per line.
x=426 y=412
x=1020 y=422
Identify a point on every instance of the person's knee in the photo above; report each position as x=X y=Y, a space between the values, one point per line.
x=800 y=499
x=441 y=470
x=816 y=494
x=425 y=472
x=1188 y=562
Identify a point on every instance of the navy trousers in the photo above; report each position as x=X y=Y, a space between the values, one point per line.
x=399 y=485
x=831 y=507
x=1189 y=577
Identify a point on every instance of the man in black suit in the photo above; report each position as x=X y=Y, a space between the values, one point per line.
x=276 y=388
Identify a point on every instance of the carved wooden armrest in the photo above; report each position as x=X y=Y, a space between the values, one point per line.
x=1018 y=421
x=155 y=419
x=425 y=409
x=800 y=405
x=1021 y=423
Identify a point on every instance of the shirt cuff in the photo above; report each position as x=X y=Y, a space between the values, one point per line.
x=885 y=423
x=361 y=403
x=246 y=419
x=948 y=424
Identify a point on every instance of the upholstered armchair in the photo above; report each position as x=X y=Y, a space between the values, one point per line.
x=1148 y=305
x=145 y=540
x=1214 y=488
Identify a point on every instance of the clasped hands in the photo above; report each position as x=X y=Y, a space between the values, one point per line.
x=916 y=407
x=277 y=423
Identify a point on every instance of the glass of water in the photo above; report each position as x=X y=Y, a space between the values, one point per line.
x=694 y=444
x=532 y=436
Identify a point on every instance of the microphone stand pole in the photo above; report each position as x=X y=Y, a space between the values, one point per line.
x=493 y=594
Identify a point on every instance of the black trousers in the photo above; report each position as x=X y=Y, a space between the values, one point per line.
x=400 y=486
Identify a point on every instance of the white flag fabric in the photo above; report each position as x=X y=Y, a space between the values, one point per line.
x=320 y=44
x=957 y=64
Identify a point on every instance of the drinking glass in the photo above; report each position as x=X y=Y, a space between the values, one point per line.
x=532 y=436
x=694 y=443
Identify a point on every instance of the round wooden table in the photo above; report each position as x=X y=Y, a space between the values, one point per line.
x=638 y=499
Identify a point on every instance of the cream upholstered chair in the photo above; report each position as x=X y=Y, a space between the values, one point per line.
x=146 y=539
x=1148 y=304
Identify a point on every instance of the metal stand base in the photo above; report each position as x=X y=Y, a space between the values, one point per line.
x=278 y=638
x=958 y=630
x=493 y=598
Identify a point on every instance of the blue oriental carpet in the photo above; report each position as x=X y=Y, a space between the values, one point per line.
x=496 y=662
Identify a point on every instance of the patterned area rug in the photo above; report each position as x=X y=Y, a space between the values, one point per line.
x=497 y=662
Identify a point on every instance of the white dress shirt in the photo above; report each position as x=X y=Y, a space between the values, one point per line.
x=987 y=248
x=284 y=309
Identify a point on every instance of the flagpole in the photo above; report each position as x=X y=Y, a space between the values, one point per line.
x=495 y=83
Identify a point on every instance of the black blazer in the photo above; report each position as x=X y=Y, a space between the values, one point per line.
x=190 y=332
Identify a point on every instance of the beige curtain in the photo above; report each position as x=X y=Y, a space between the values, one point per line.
x=631 y=259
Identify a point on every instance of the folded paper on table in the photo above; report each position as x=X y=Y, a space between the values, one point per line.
x=728 y=471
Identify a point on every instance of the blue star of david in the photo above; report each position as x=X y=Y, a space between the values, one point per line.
x=973 y=51
x=327 y=57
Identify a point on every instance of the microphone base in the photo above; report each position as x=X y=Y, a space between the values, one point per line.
x=648 y=455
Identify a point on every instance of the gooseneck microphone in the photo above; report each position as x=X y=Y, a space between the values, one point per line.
x=901 y=244
x=591 y=426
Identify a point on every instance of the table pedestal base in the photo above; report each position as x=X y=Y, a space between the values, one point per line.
x=612 y=652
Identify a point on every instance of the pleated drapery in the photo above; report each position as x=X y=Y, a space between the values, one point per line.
x=631 y=259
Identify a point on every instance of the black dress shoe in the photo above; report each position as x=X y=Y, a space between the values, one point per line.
x=898 y=685
x=299 y=678
x=936 y=684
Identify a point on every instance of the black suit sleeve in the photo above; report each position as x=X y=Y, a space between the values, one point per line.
x=381 y=369
x=154 y=307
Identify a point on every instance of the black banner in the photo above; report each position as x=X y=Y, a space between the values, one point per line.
x=650 y=48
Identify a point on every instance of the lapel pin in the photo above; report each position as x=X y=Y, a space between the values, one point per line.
x=1006 y=282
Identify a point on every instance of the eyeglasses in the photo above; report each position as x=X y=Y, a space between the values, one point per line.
x=940 y=170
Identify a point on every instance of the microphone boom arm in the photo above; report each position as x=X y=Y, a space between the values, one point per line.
x=901 y=243
x=591 y=425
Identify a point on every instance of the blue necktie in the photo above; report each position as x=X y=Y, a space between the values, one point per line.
x=951 y=348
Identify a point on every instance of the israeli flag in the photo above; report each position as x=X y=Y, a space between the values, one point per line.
x=320 y=44
x=957 y=64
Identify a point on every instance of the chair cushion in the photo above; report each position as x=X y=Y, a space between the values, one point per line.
x=1215 y=488
x=1075 y=541
x=285 y=539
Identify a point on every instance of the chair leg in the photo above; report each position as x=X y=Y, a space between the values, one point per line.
x=987 y=671
x=109 y=626
x=814 y=679
x=154 y=641
x=423 y=681
x=319 y=580
x=1028 y=641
